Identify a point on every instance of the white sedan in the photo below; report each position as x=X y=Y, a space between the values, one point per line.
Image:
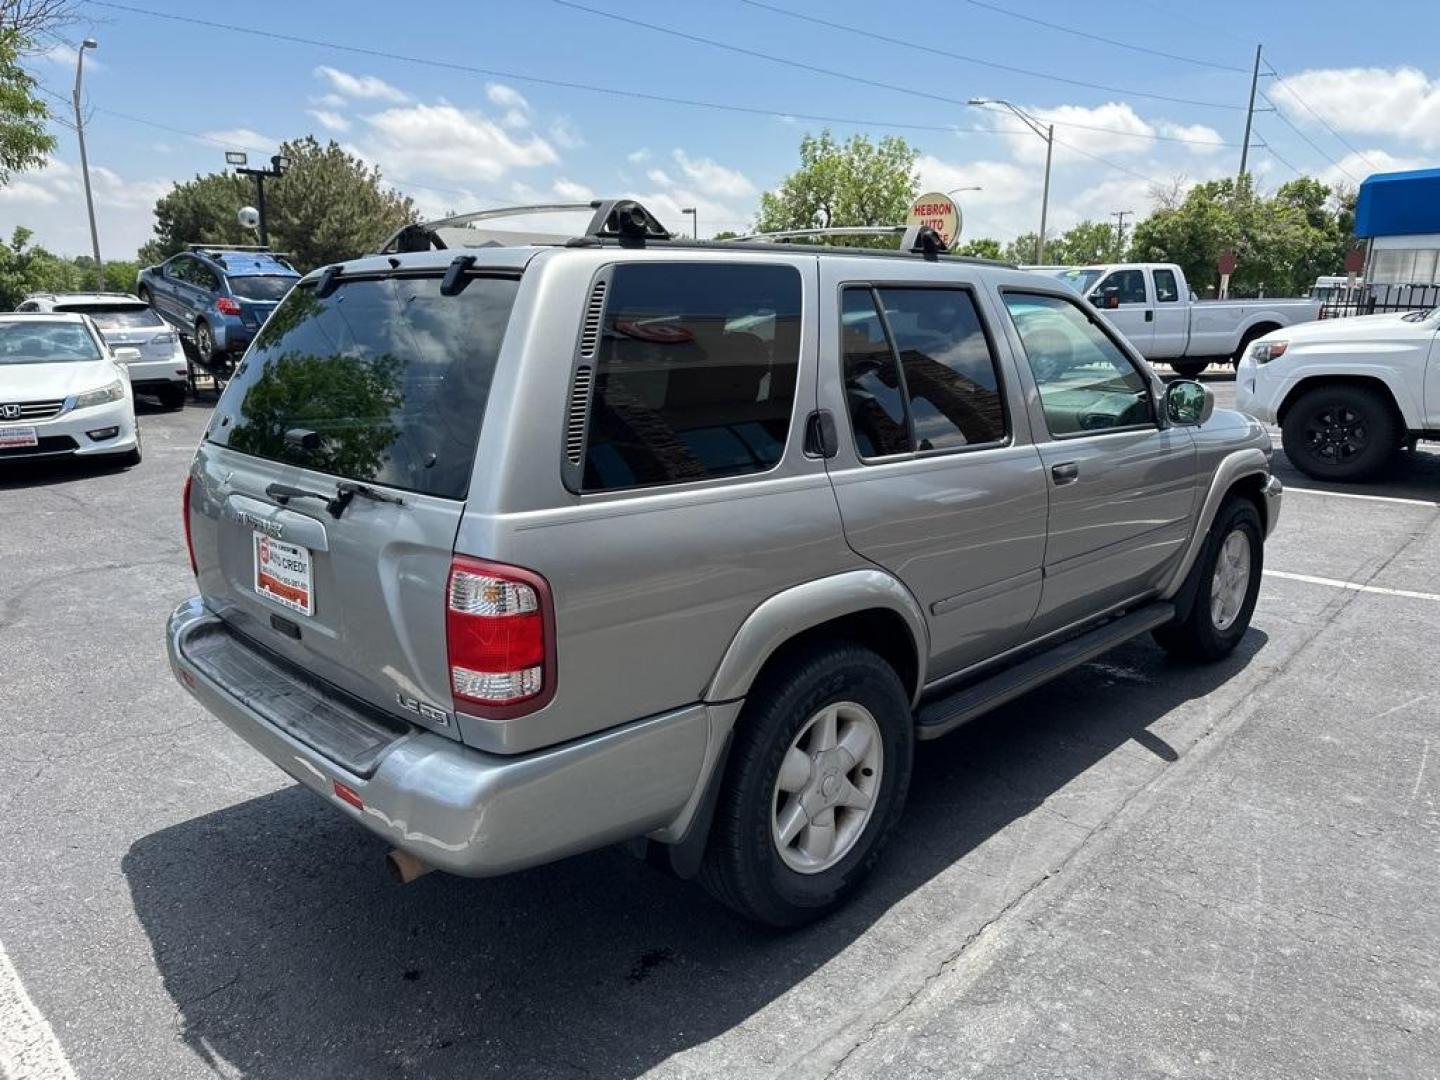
x=63 y=391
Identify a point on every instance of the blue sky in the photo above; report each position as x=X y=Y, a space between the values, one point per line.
x=1353 y=97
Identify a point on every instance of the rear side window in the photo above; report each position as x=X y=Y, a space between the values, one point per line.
x=695 y=373
x=920 y=374
x=262 y=286
x=116 y=316
x=1166 y=290
x=389 y=375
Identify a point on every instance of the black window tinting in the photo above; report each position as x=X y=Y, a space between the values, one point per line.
x=950 y=374
x=695 y=373
x=872 y=379
x=389 y=373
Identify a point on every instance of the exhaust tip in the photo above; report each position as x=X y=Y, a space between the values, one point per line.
x=404 y=867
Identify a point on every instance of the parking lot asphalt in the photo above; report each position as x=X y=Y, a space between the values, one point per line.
x=1143 y=869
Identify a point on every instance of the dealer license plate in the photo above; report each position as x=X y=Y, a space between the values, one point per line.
x=282 y=573
x=17 y=436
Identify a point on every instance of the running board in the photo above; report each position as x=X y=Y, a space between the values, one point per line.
x=945 y=714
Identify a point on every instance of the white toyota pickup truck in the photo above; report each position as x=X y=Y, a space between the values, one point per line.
x=1154 y=306
x=1347 y=393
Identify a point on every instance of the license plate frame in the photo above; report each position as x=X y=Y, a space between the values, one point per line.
x=18 y=436
x=284 y=573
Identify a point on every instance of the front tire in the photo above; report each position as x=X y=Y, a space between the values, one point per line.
x=205 y=344
x=816 y=781
x=1228 y=571
x=1189 y=369
x=1341 y=432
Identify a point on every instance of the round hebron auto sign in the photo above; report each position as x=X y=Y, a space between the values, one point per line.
x=939 y=212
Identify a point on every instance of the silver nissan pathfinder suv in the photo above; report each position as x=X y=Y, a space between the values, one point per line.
x=513 y=552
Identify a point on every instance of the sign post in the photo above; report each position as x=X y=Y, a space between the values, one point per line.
x=1226 y=266
x=937 y=211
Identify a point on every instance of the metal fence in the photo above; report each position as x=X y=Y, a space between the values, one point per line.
x=1339 y=301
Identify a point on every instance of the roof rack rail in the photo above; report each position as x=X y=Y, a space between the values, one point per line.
x=786 y=235
x=621 y=219
x=254 y=248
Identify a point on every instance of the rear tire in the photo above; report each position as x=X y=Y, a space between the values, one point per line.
x=1189 y=369
x=1229 y=568
x=144 y=294
x=1341 y=432
x=808 y=802
x=171 y=397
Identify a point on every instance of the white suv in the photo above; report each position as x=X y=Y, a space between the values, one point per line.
x=128 y=322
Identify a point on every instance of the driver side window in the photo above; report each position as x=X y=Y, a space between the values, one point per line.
x=1086 y=383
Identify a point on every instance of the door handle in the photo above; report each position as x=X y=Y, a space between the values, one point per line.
x=1149 y=316
x=1066 y=473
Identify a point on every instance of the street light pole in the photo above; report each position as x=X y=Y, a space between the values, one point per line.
x=694 y=221
x=1047 y=132
x=88 y=43
x=278 y=165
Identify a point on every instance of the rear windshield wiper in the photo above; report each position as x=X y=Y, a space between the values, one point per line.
x=345 y=492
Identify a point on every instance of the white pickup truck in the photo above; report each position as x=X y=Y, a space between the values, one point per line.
x=1347 y=393
x=1154 y=306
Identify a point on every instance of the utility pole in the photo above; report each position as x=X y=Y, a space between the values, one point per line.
x=1249 y=116
x=1120 y=216
x=88 y=43
x=1048 y=134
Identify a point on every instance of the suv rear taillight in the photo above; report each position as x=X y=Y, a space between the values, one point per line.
x=226 y=306
x=185 y=513
x=500 y=629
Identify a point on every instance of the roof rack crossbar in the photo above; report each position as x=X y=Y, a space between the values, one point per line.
x=259 y=248
x=622 y=219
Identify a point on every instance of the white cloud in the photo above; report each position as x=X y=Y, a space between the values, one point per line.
x=46 y=201
x=63 y=55
x=363 y=87
x=661 y=177
x=1355 y=167
x=1112 y=128
x=638 y=157
x=573 y=192
x=330 y=101
x=1400 y=102
x=712 y=178
x=442 y=140
x=245 y=139
x=1002 y=183
x=330 y=120
x=1200 y=138
x=564 y=134
x=507 y=97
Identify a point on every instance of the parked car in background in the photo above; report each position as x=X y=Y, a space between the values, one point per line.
x=126 y=321
x=1347 y=393
x=1154 y=307
x=217 y=297
x=64 y=391
x=547 y=547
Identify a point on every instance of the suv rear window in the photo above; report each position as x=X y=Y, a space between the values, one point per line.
x=116 y=316
x=390 y=375
x=696 y=373
x=262 y=286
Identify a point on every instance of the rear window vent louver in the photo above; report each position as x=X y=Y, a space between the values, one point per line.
x=579 y=409
x=590 y=333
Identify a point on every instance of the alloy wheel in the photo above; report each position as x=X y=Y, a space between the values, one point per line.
x=1231 y=580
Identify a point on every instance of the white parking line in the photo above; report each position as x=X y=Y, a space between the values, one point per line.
x=1358 y=495
x=28 y=1047
x=1336 y=583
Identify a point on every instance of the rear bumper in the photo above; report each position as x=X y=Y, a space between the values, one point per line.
x=473 y=813
x=151 y=373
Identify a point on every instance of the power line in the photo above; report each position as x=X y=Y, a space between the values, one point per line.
x=852 y=77
x=1105 y=40
x=1264 y=144
x=666 y=99
x=1311 y=142
x=1285 y=85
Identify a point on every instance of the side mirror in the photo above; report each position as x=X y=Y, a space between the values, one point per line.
x=1188 y=403
x=127 y=355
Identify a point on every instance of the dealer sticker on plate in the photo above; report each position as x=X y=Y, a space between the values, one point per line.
x=282 y=573
x=17 y=436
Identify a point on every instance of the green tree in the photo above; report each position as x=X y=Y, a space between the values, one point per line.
x=26 y=269
x=980 y=248
x=857 y=182
x=24 y=140
x=1087 y=242
x=328 y=206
